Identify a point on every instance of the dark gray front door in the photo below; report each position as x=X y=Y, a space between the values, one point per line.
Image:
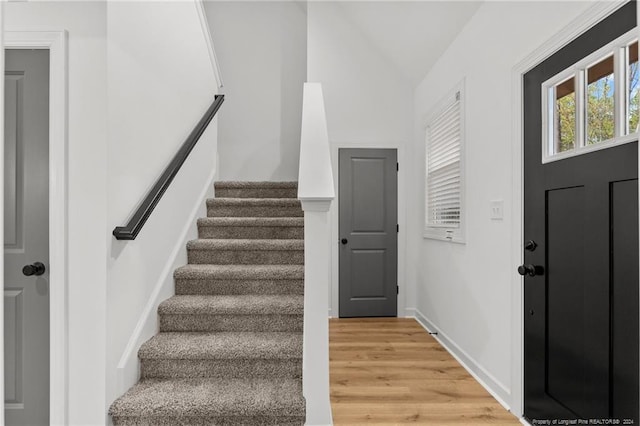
x=581 y=310
x=368 y=188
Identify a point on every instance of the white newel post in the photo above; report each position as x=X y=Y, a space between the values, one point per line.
x=316 y=191
x=316 y=306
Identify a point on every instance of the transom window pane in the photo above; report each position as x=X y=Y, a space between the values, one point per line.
x=632 y=95
x=565 y=116
x=593 y=104
x=600 y=102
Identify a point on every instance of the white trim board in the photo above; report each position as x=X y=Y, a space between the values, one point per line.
x=334 y=288
x=578 y=26
x=56 y=43
x=497 y=389
x=206 y=31
x=128 y=366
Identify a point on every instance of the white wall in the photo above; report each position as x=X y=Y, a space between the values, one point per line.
x=87 y=198
x=465 y=290
x=262 y=48
x=369 y=104
x=161 y=81
x=367 y=99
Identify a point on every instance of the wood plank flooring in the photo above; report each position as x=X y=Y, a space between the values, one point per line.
x=391 y=371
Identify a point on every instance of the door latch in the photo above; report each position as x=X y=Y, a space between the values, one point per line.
x=530 y=270
x=36 y=268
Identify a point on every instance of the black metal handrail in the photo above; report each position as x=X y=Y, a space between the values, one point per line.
x=137 y=221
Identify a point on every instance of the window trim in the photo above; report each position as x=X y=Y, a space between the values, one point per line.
x=617 y=48
x=444 y=232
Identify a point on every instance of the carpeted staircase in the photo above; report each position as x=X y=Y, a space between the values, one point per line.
x=229 y=350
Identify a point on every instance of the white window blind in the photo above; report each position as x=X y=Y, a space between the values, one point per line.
x=443 y=170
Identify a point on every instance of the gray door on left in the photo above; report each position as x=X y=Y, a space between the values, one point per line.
x=26 y=237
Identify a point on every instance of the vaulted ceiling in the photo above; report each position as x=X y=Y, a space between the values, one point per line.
x=410 y=34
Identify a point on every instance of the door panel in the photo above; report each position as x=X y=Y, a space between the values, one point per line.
x=368 y=220
x=367 y=274
x=13 y=183
x=26 y=237
x=624 y=276
x=565 y=306
x=13 y=325
x=368 y=207
x=581 y=313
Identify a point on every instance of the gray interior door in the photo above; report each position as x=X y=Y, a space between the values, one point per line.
x=26 y=237
x=368 y=188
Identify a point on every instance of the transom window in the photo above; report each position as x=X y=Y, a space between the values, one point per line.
x=593 y=104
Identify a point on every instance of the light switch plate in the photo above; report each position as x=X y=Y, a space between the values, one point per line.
x=497 y=209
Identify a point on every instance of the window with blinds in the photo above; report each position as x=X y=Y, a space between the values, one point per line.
x=444 y=177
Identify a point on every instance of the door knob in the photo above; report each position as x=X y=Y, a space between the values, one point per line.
x=36 y=268
x=344 y=241
x=530 y=245
x=531 y=270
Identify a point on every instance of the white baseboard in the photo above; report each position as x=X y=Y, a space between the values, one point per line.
x=410 y=312
x=127 y=370
x=498 y=390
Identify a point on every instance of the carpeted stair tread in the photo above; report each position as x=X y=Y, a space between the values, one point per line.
x=240 y=272
x=245 y=244
x=230 y=342
x=255 y=184
x=251 y=221
x=257 y=202
x=244 y=205
x=225 y=345
x=281 y=304
x=206 y=397
x=235 y=189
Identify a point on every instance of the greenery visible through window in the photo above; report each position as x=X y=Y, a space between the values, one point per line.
x=565 y=135
x=600 y=102
x=595 y=103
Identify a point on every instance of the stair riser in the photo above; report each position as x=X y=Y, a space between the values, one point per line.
x=229 y=287
x=256 y=322
x=221 y=368
x=246 y=257
x=251 y=232
x=209 y=421
x=254 y=211
x=256 y=193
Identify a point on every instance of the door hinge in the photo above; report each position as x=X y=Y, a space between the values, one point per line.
x=397 y=167
x=397 y=289
x=397 y=227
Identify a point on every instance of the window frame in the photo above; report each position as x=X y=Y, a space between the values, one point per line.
x=617 y=48
x=454 y=234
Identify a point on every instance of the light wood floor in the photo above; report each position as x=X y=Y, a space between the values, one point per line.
x=391 y=371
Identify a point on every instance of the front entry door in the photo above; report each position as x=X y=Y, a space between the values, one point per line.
x=26 y=238
x=368 y=232
x=581 y=234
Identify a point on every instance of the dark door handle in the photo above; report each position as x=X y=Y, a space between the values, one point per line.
x=344 y=241
x=36 y=268
x=530 y=245
x=531 y=270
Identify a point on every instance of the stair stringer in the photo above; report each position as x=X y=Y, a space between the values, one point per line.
x=128 y=369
